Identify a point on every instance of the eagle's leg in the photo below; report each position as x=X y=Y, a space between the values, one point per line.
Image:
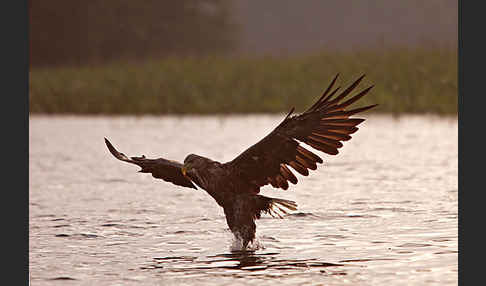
x=243 y=228
x=240 y=216
x=242 y=210
x=246 y=233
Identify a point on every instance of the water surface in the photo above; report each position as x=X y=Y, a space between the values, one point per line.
x=383 y=211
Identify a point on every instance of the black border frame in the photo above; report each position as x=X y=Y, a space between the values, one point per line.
x=15 y=140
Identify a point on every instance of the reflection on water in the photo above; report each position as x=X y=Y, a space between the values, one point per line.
x=242 y=260
x=384 y=211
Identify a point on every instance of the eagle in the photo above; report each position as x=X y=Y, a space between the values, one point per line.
x=235 y=185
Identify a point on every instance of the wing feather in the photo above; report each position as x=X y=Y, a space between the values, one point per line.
x=323 y=127
x=284 y=170
x=167 y=170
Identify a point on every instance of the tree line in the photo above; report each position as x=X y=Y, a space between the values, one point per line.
x=96 y=31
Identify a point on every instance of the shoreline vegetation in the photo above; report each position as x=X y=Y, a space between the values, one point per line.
x=407 y=80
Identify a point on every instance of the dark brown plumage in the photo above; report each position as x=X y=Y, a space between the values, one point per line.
x=235 y=185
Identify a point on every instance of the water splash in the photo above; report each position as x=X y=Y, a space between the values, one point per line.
x=237 y=245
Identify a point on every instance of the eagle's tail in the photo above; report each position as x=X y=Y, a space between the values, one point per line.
x=276 y=207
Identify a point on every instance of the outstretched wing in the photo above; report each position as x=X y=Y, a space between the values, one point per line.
x=167 y=170
x=323 y=126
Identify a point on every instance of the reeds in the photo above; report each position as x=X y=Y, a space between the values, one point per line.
x=414 y=80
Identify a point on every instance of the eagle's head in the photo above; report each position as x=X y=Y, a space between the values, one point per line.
x=195 y=168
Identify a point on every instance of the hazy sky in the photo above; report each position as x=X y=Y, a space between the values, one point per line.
x=286 y=26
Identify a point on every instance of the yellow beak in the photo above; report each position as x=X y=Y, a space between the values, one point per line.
x=184 y=171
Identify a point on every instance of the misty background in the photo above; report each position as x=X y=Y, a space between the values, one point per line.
x=79 y=31
x=211 y=37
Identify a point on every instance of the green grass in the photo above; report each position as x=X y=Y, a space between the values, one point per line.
x=418 y=80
